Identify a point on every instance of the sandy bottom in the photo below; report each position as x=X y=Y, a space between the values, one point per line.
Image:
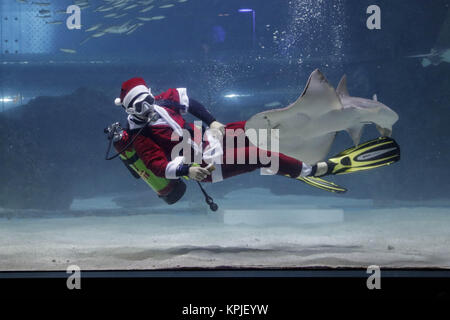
x=96 y=234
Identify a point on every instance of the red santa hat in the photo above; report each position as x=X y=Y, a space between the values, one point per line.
x=130 y=90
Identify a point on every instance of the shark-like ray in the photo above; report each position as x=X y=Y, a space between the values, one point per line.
x=441 y=50
x=307 y=127
x=435 y=57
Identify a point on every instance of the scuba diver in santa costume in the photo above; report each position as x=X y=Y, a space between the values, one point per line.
x=155 y=126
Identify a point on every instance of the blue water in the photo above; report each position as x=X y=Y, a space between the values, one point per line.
x=57 y=91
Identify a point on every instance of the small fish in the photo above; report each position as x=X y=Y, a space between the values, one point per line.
x=131 y=30
x=111 y=15
x=119 y=29
x=94 y=27
x=21 y=1
x=145 y=19
x=130 y=7
x=84 y=41
x=166 y=6
x=67 y=50
x=119 y=4
x=43 y=17
x=98 y=35
x=182 y=0
x=134 y=28
x=44 y=11
x=120 y=15
x=147 y=9
x=145 y=3
x=62 y=11
x=104 y=9
x=42 y=4
x=54 y=22
x=158 y=17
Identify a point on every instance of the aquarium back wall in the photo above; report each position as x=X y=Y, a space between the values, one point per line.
x=46 y=150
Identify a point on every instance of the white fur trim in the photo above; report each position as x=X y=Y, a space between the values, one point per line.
x=133 y=93
x=216 y=175
x=160 y=122
x=213 y=153
x=322 y=168
x=267 y=172
x=172 y=166
x=165 y=119
x=141 y=98
x=306 y=170
x=184 y=99
x=117 y=102
x=172 y=123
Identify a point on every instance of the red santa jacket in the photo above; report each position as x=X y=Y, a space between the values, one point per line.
x=154 y=145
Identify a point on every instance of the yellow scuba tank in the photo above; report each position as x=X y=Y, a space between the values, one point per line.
x=168 y=189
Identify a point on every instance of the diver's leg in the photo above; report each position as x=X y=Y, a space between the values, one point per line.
x=321 y=169
x=242 y=157
x=242 y=162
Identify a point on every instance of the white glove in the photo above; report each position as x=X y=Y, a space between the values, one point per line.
x=216 y=125
x=198 y=173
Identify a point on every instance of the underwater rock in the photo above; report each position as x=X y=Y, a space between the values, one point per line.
x=52 y=149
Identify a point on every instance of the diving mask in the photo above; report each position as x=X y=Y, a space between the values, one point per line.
x=143 y=108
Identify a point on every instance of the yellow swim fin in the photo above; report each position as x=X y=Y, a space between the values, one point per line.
x=322 y=184
x=372 y=154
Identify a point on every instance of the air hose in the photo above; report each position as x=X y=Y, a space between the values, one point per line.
x=111 y=131
x=210 y=201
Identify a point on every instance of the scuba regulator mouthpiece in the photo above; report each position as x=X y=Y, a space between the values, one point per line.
x=114 y=133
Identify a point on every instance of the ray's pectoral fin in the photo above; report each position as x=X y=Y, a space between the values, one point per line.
x=307 y=127
x=384 y=132
x=304 y=127
x=342 y=87
x=355 y=132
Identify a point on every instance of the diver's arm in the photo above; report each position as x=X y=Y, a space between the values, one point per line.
x=193 y=172
x=155 y=159
x=198 y=110
x=182 y=170
x=153 y=156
